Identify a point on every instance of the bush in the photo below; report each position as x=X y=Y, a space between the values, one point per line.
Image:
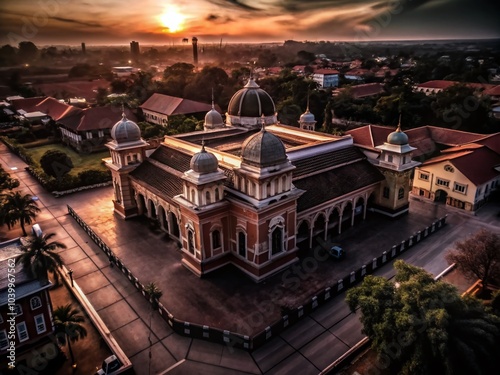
x=56 y=163
x=93 y=176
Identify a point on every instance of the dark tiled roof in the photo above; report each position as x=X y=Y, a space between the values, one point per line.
x=25 y=284
x=96 y=118
x=318 y=163
x=27 y=104
x=165 y=184
x=335 y=183
x=172 y=158
x=477 y=164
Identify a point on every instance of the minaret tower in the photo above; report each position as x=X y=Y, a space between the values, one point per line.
x=396 y=165
x=127 y=151
x=307 y=120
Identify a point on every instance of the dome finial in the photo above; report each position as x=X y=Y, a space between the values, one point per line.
x=399 y=123
x=213 y=106
x=123 y=111
x=263 y=122
x=307 y=108
x=203 y=145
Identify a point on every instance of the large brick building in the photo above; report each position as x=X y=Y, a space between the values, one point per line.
x=251 y=192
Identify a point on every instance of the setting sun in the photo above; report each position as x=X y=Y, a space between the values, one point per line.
x=172 y=20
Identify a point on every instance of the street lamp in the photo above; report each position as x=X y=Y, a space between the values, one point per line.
x=70 y=273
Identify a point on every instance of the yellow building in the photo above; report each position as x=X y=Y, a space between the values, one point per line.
x=462 y=176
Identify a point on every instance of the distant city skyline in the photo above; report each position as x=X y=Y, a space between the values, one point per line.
x=167 y=22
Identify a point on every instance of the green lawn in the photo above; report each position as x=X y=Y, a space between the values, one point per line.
x=81 y=162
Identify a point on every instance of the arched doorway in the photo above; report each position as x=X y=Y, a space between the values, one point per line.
x=162 y=216
x=175 y=226
x=319 y=226
x=359 y=210
x=347 y=216
x=151 y=209
x=141 y=204
x=333 y=223
x=440 y=196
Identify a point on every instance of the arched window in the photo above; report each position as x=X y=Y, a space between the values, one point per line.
x=35 y=303
x=401 y=193
x=217 y=197
x=277 y=240
x=193 y=195
x=268 y=189
x=208 y=197
x=215 y=239
x=242 y=244
x=386 y=192
x=191 y=241
x=389 y=158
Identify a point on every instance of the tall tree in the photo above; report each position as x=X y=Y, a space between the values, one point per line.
x=17 y=207
x=478 y=256
x=39 y=256
x=154 y=293
x=423 y=326
x=67 y=323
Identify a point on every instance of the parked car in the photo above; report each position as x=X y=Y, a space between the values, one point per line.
x=336 y=252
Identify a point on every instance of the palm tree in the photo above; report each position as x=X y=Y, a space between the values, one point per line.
x=68 y=328
x=154 y=294
x=18 y=208
x=39 y=256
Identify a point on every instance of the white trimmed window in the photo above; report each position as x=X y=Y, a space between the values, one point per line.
x=40 y=324
x=460 y=188
x=441 y=182
x=18 y=309
x=4 y=341
x=35 y=303
x=423 y=176
x=22 y=332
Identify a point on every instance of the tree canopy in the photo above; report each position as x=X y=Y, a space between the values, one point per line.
x=422 y=326
x=56 y=163
x=478 y=256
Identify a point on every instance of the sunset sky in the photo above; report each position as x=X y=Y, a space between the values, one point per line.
x=167 y=22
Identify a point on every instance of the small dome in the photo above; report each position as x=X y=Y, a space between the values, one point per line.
x=213 y=119
x=307 y=117
x=251 y=101
x=263 y=149
x=397 y=137
x=204 y=162
x=125 y=130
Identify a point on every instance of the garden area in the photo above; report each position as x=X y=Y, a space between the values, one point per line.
x=60 y=169
x=81 y=162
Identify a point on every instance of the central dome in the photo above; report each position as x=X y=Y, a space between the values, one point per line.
x=263 y=149
x=251 y=101
x=125 y=130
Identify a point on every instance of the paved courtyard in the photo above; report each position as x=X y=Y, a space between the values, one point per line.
x=226 y=298
x=309 y=346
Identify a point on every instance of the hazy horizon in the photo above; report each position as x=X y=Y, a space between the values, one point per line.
x=151 y=22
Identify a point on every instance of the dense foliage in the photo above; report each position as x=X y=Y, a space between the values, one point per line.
x=422 y=326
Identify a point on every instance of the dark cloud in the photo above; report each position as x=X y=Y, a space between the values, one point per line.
x=78 y=22
x=215 y=18
x=235 y=4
